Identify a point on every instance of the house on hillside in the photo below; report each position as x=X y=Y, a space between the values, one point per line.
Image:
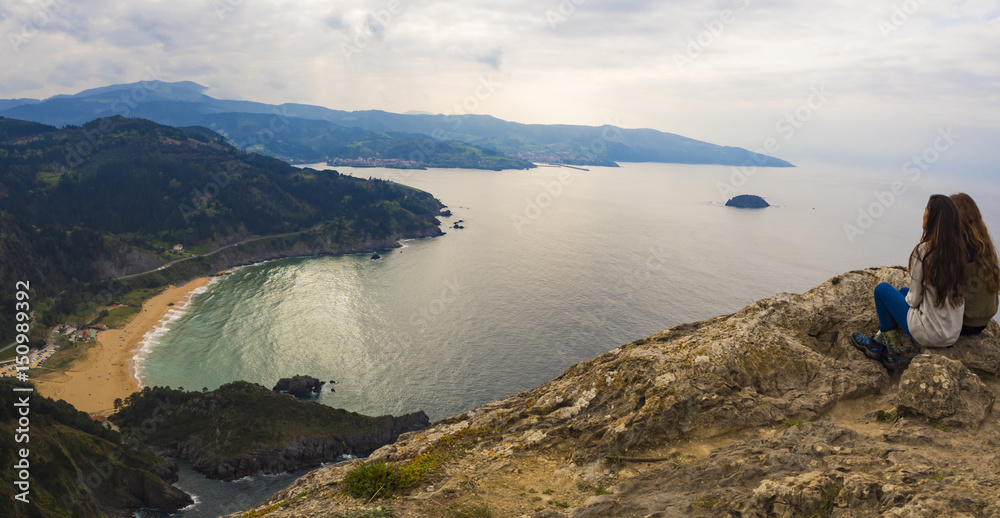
x=178 y=248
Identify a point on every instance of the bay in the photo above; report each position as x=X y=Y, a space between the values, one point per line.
x=553 y=266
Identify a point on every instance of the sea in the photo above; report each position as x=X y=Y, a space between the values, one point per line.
x=537 y=270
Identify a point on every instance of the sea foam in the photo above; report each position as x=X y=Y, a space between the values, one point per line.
x=152 y=337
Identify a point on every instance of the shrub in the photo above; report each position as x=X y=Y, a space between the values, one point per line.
x=372 y=479
x=470 y=511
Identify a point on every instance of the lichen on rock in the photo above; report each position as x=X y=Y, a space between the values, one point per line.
x=944 y=390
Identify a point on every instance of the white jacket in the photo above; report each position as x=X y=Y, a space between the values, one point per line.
x=930 y=325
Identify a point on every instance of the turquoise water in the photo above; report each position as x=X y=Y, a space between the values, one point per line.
x=553 y=266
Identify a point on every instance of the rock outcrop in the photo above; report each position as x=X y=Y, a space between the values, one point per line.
x=747 y=201
x=121 y=259
x=242 y=429
x=300 y=453
x=299 y=385
x=768 y=411
x=944 y=391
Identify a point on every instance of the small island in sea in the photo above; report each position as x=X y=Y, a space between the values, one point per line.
x=747 y=201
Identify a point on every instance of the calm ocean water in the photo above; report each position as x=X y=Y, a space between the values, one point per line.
x=554 y=266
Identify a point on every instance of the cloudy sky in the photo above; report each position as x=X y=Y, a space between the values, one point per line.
x=867 y=82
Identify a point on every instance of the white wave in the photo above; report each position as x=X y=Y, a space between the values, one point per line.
x=195 y=500
x=152 y=337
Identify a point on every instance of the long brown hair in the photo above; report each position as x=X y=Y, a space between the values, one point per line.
x=944 y=260
x=978 y=242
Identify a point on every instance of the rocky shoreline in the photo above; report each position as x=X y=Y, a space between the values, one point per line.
x=768 y=411
x=302 y=453
x=243 y=429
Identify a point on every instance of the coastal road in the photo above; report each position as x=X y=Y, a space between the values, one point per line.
x=217 y=250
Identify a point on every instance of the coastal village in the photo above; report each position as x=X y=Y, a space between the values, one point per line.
x=38 y=356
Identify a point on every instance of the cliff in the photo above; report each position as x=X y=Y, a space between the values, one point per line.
x=768 y=411
x=243 y=429
x=121 y=259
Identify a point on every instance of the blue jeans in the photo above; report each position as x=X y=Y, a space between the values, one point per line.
x=891 y=306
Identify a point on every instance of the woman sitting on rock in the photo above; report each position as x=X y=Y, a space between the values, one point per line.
x=931 y=309
x=983 y=270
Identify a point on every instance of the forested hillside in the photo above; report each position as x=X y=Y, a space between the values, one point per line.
x=73 y=196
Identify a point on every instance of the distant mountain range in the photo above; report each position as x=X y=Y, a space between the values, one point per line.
x=301 y=133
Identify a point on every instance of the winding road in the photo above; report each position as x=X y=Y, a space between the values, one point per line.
x=217 y=250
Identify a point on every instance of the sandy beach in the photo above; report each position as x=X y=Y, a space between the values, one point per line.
x=106 y=373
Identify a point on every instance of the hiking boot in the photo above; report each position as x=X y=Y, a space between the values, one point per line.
x=877 y=347
x=890 y=358
x=868 y=345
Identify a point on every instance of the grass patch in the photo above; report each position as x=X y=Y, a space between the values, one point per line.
x=941 y=427
x=139 y=295
x=826 y=508
x=557 y=503
x=614 y=457
x=49 y=178
x=470 y=511
x=8 y=354
x=887 y=417
x=372 y=479
x=270 y=509
x=794 y=422
x=381 y=511
x=380 y=478
x=941 y=476
x=118 y=317
x=421 y=468
x=65 y=356
x=598 y=491
x=196 y=249
x=708 y=502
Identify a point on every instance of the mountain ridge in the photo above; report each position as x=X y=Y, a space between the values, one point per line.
x=552 y=143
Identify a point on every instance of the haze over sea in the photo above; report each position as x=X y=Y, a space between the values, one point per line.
x=546 y=272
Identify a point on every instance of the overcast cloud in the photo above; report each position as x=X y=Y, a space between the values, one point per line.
x=872 y=82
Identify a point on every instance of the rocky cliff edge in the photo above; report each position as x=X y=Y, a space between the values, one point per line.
x=768 y=411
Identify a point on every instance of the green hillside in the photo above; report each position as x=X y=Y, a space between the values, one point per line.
x=242 y=428
x=76 y=467
x=117 y=188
